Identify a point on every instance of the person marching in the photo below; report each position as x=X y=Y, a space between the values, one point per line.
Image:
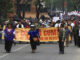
x=9 y=35
x=67 y=36
x=34 y=37
x=19 y=25
x=75 y=34
x=61 y=38
x=78 y=34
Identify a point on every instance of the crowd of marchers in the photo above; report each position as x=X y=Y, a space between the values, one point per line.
x=67 y=26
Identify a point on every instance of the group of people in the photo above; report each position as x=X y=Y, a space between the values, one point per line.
x=66 y=31
x=66 y=28
x=9 y=35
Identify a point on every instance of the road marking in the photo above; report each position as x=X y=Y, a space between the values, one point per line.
x=20 y=48
x=3 y=55
x=13 y=51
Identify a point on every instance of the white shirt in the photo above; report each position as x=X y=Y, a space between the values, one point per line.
x=72 y=25
x=57 y=25
x=9 y=31
x=55 y=19
x=22 y=26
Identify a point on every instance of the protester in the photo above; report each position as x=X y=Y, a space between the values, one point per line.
x=75 y=35
x=9 y=35
x=27 y=24
x=58 y=24
x=67 y=36
x=61 y=39
x=78 y=34
x=43 y=25
x=70 y=32
x=1 y=28
x=11 y=20
x=47 y=23
x=34 y=37
x=23 y=22
x=19 y=25
x=72 y=25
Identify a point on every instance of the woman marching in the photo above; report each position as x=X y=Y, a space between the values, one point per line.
x=34 y=38
x=8 y=36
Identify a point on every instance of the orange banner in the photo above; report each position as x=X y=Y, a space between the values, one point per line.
x=46 y=34
x=22 y=34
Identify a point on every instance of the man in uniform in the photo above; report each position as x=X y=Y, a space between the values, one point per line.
x=61 y=39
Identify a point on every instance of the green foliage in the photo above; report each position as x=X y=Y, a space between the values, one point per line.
x=71 y=4
x=55 y=3
x=5 y=6
x=75 y=4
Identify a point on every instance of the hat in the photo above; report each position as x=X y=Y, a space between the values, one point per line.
x=32 y=25
x=49 y=21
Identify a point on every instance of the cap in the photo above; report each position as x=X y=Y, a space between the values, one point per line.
x=32 y=25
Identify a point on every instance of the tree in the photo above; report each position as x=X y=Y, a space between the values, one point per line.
x=5 y=6
x=38 y=8
x=18 y=8
x=50 y=4
x=71 y=4
x=75 y=4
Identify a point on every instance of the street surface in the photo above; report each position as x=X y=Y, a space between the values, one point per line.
x=44 y=52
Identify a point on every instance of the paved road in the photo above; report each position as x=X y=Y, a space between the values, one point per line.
x=44 y=52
